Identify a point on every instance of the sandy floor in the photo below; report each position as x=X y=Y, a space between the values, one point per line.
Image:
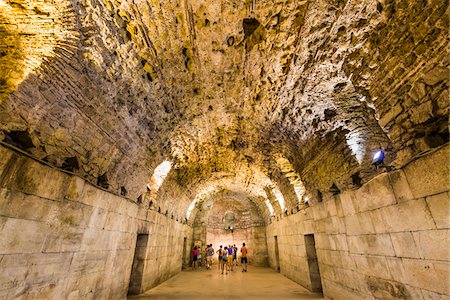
x=257 y=283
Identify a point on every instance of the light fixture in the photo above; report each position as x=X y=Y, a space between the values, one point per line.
x=307 y=201
x=378 y=158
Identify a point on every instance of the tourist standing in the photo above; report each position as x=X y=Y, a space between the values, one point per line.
x=219 y=252
x=194 y=257
x=230 y=258
x=209 y=256
x=244 y=258
x=235 y=249
x=224 y=260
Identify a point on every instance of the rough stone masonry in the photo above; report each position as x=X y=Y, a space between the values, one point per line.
x=269 y=113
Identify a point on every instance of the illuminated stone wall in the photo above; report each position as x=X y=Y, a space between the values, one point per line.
x=63 y=238
x=386 y=240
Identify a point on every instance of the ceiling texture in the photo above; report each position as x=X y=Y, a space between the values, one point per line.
x=262 y=102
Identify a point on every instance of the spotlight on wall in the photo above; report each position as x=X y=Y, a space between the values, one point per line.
x=307 y=201
x=378 y=158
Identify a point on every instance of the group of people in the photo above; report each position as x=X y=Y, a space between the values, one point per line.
x=227 y=257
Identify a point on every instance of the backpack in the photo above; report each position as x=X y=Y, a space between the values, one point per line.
x=225 y=256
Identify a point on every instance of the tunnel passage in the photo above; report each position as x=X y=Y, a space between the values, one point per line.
x=231 y=218
x=224 y=121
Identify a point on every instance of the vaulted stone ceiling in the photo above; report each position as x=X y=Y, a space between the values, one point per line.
x=253 y=97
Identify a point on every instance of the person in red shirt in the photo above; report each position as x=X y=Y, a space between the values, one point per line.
x=194 y=258
x=244 y=258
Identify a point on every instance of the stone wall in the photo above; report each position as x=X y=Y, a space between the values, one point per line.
x=386 y=240
x=63 y=238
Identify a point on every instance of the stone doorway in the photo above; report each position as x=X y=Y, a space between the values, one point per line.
x=137 y=270
x=313 y=265
x=277 y=255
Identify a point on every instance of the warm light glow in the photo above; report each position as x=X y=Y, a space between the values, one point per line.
x=200 y=196
x=288 y=171
x=158 y=177
x=31 y=39
x=270 y=207
x=356 y=144
x=276 y=192
x=161 y=172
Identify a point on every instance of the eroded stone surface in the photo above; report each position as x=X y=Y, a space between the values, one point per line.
x=275 y=108
x=120 y=86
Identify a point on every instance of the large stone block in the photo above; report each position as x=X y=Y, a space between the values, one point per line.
x=16 y=204
x=427 y=295
x=430 y=174
x=338 y=242
x=375 y=244
x=340 y=292
x=85 y=262
x=33 y=178
x=439 y=206
x=407 y=216
x=360 y=223
x=63 y=239
x=433 y=244
x=372 y=265
x=400 y=186
x=390 y=289
x=428 y=275
x=375 y=194
x=21 y=236
x=98 y=218
x=75 y=188
x=377 y=221
x=346 y=200
x=404 y=245
x=330 y=207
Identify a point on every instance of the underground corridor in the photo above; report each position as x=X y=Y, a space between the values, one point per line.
x=135 y=133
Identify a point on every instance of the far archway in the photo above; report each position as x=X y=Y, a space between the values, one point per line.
x=231 y=218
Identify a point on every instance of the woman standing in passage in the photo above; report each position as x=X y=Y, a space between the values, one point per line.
x=194 y=257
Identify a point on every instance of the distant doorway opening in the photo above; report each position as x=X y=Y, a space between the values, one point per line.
x=277 y=255
x=313 y=265
x=184 y=264
x=137 y=270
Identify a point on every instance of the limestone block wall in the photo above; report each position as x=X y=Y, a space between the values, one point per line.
x=63 y=238
x=386 y=240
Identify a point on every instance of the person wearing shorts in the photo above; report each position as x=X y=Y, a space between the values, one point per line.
x=244 y=258
x=219 y=252
x=194 y=257
x=224 y=261
x=230 y=258
x=209 y=256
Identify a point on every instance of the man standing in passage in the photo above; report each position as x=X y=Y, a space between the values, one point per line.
x=219 y=252
x=244 y=258
x=224 y=261
x=209 y=256
x=235 y=249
